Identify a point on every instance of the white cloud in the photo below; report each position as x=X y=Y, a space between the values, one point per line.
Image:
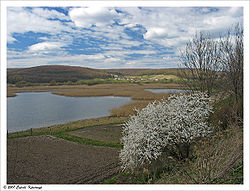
x=89 y=16
x=21 y=20
x=10 y=39
x=45 y=46
x=49 y=14
x=160 y=27
x=155 y=33
x=173 y=26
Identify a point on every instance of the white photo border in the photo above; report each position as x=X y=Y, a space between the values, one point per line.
x=239 y=3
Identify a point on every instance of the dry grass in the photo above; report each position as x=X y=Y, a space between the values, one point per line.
x=215 y=159
x=128 y=109
x=217 y=156
x=134 y=91
x=11 y=94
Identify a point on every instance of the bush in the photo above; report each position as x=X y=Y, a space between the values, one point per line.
x=20 y=84
x=52 y=83
x=173 y=124
x=218 y=160
x=227 y=111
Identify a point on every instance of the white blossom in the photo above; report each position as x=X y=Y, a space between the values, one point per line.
x=179 y=119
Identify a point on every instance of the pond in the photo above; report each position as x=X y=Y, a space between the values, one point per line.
x=40 y=109
x=167 y=90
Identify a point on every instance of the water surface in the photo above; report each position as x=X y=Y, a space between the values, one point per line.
x=40 y=109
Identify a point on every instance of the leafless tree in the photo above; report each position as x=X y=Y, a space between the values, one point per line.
x=232 y=59
x=200 y=63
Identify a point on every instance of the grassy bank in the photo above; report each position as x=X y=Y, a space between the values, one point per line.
x=215 y=161
x=87 y=141
x=67 y=127
x=218 y=160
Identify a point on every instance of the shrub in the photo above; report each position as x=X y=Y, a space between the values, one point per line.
x=173 y=124
x=227 y=111
x=52 y=83
x=20 y=84
x=218 y=160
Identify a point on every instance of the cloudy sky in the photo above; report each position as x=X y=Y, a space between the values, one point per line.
x=114 y=37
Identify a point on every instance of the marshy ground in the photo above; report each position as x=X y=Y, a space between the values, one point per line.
x=135 y=91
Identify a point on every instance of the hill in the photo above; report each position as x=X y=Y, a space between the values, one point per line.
x=61 y=73
x=58 y=73
x=144 y=71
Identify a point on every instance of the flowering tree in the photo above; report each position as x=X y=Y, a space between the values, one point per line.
x=173 y=123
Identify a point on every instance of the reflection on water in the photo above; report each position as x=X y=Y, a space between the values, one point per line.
x=33 y=110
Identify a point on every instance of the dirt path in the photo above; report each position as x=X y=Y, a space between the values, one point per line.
x=48 y=160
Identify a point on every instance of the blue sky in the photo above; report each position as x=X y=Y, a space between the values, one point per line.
x=109 y=37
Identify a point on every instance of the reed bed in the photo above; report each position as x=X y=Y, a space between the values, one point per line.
x=11 y=94
x=128 y=109
x=135 y=91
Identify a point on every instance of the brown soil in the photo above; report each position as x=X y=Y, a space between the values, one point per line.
x=107 y=133
x=48 y=160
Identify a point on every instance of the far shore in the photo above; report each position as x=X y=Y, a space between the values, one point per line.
x=135 y=91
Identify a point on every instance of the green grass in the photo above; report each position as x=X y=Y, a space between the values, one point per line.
x=117 y=178
x=146 y=79
x=235 y=177
x=110 y=181
x=128 y=178
x=87 y=141
x=67 y=127
x=237 y=174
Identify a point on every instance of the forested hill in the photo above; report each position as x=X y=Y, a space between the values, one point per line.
x=58 y=73
x=61 y=73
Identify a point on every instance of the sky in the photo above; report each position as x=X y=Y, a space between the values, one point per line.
x=110 y=37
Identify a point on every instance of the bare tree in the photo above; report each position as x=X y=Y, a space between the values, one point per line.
x=232 y=59
x=200 y=60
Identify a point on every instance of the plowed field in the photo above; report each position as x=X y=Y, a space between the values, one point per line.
x=49 y=160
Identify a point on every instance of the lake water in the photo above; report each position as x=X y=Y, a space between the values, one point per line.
x=40 y=109
x=167 y=90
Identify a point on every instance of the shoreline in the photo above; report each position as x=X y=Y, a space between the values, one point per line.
x=67 y=127
x=135 y=91
x=139 y=99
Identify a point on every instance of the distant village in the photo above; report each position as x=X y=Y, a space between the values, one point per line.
x=136 y=78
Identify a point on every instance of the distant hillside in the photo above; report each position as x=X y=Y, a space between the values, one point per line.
x=58 y=73
x=140 y=72
x=61 y=73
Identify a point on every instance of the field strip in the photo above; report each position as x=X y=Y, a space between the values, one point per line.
x=87 y=141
